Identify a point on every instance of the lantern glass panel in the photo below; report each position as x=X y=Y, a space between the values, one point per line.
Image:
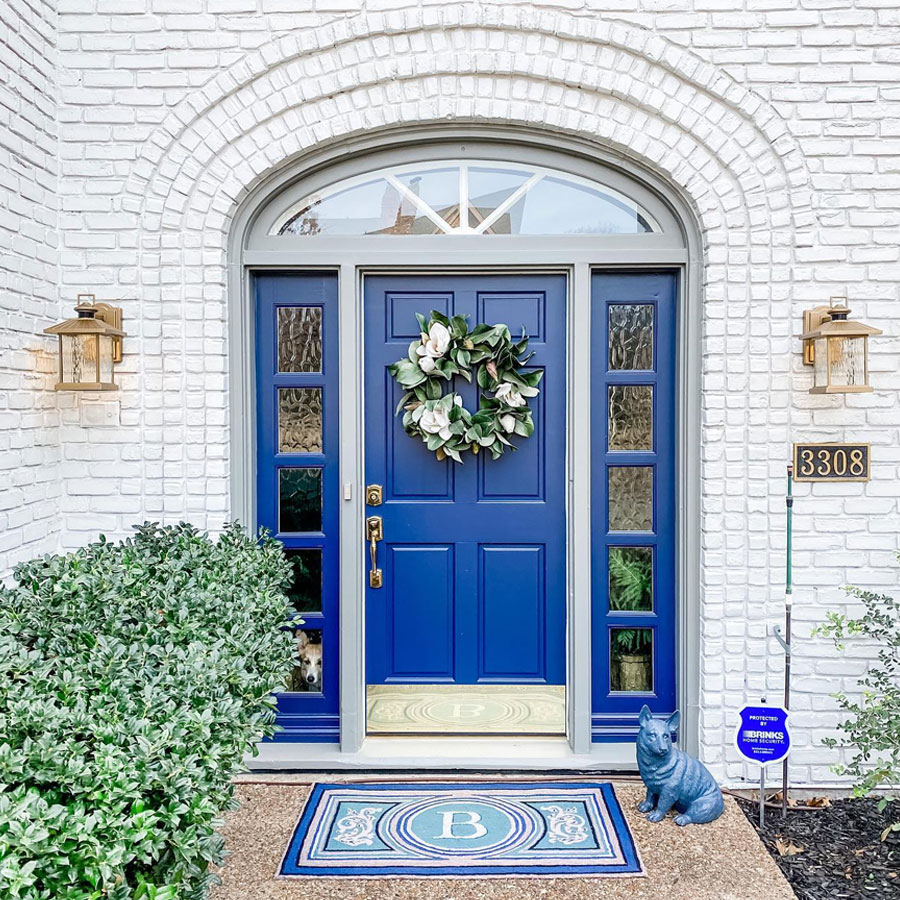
x=821 y=361
x=847 y=359
x=106 y=359
x=79 y=358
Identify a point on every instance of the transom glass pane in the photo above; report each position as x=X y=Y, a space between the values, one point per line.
x=474 y=197
x=300 y=339
x=631 y=417
x=489 y=188
x=630 y=336
x=556 y=206
x=300 y=420
x=439 y=190
x=299 y=500
x=630 y=498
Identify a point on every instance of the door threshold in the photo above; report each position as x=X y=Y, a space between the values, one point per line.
x=445 y=753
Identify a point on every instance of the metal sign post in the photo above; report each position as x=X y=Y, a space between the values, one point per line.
x=785 y=640
x=762 y=797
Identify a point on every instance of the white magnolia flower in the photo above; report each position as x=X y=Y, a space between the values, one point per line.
x=509 y=394
x=426 y=364
x=436 y=421
x=508 y=423
x=436 y=342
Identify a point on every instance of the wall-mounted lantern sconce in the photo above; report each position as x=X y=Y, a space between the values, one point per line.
x=838 y=349
x=89 y=346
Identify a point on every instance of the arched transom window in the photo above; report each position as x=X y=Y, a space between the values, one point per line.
x=471 y=197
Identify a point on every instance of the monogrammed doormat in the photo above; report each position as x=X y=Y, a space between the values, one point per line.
x=461 y=830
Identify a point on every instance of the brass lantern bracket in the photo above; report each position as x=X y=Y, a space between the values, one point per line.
x=812 y=319
x=111 y=315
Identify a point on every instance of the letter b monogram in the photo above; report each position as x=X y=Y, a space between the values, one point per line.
x=457 y=819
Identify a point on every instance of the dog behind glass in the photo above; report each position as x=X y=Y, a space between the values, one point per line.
x=308 y=676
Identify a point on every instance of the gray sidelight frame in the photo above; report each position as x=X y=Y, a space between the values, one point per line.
x=678 y=247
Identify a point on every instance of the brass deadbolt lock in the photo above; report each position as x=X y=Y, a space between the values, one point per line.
x=373 y=495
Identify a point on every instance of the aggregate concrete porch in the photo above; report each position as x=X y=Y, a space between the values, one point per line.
x=721 y=861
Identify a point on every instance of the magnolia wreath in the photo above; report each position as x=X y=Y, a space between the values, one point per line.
x=447 y=348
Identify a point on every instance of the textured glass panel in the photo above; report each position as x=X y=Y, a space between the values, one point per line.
x=821 y=363
x=631 y=336
x=560 y=206
x=631 y=659
x=848 y=361
x=631 y=579
x=630 y=498
x=300 y=420
x=305 y=592
x=300 y=500
x=300 y=339
x=79 y=358
x=306 y=676
x=631 y=417
x=106 y=359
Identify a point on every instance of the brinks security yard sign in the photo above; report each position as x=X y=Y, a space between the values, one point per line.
x=763 y=738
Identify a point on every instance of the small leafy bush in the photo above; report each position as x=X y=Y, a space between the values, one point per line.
x=134 y=677
x=872 y=728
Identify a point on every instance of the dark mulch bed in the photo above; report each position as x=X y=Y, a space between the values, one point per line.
x=842 y=854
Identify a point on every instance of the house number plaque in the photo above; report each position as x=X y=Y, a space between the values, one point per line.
x=831 y=462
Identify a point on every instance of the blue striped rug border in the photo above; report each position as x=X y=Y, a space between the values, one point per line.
x=630 y=868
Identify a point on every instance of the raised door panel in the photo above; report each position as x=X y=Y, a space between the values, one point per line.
x=512 y=612
x=419 y=607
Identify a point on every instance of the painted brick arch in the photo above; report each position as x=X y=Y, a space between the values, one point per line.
x=622 y=86
x=722 y=147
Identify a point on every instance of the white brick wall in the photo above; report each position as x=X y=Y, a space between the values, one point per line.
x=778 y=120
x=29 y=421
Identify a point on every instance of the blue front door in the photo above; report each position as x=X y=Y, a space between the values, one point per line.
x=473 y=555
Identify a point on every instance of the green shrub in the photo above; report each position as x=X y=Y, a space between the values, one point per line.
x=134 y=677
x=872 y=729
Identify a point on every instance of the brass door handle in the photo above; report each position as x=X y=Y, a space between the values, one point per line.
x=374 y=533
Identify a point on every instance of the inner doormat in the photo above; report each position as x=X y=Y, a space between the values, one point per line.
x=461 y=830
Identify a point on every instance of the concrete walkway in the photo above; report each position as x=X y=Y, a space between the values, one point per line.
x=722 y=861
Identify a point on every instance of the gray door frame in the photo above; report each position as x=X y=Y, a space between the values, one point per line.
x=677 y=248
